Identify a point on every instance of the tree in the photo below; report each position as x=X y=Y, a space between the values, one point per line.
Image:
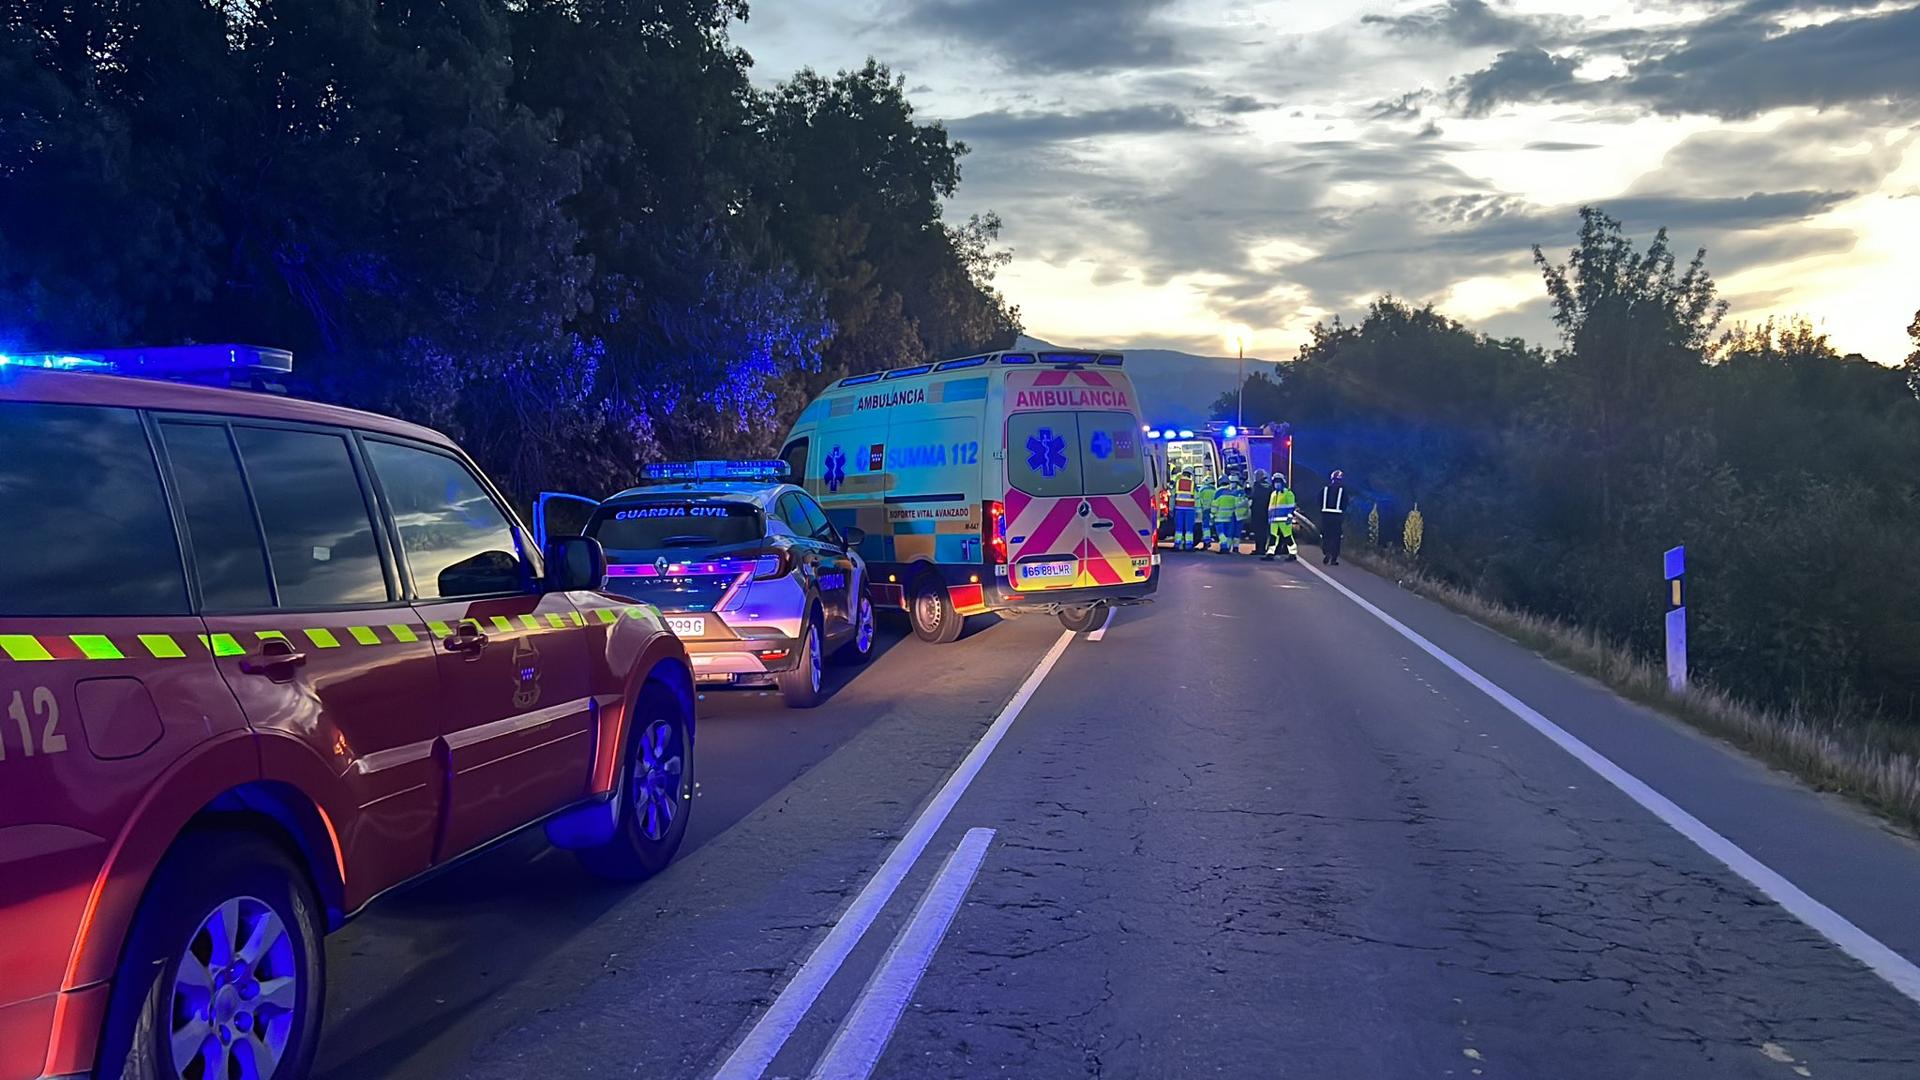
x=1913 y=358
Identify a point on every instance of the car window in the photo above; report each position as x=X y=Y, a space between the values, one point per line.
x=457 y=540
x=81 y=494
x=628 y=528
x=789 y=512
x=795 y=455
x=817 y=524
x=319 y=531
x=1109 y=453
x=1043 y=453
x=228 y=557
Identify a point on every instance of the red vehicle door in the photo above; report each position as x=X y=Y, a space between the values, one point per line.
x=103 y=685
x=515 y=709
x=308 y=628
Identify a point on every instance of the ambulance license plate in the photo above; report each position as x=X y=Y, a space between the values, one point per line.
x=685 y=626
x=1063 y=568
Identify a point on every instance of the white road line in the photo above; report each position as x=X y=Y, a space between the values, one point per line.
x=1101 y=634
x=1899 y=972
x=757 y=1050
x=863 y=1038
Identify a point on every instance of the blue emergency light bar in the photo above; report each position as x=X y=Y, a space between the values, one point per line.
x=170 y=361
x=716 y=470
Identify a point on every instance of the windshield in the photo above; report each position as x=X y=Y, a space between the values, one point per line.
x=636 y=528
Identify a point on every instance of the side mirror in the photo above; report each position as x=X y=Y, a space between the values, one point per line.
x=854 y=536
x=575 y=563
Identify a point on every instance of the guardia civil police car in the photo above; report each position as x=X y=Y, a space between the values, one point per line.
x=755 y=581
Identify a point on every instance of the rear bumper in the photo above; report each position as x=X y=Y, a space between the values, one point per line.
x=723 y=660
x=1002 y=596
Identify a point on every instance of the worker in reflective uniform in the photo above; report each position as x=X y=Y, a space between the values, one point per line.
x=1242 y=509
x=1226 y=509
x=1280 y=507
x=1209 y=491
x=1184 y=493
x=1333 y=516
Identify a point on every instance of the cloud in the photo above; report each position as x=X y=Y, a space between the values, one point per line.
x=1057 y=35
x=1006 y=126
x=1548 y=146
x=1745 y=65
x=1735 y=64
x=1517 y=75
x=1473 y=23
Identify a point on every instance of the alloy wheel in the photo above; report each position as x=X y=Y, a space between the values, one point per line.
x=656 y=779
x=235 y=990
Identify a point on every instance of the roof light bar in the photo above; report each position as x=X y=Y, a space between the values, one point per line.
x=772 y=469
x=177 y=360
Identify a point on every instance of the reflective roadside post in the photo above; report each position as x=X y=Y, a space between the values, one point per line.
x=1677 y=618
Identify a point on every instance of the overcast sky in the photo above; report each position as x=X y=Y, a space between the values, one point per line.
x=1169 y=169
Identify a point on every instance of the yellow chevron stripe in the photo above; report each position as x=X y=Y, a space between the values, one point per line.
x=97 y=646
x=23 y=647
x=364 y=635
x=162 y=646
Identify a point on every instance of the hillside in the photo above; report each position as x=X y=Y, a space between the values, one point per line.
x=1175 y=387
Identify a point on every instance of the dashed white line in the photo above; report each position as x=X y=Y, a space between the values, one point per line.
x=1898 y=972
x=749 y=1060
x=1101 y=634
x=863 y=1038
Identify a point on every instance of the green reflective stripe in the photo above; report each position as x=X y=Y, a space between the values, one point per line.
x=607 y=614
x=475 y=623
x=403 y=633
x=23 y=647
x=97 y=647
x=272 y=635
x=221 y=644
x=531 y=622
x=322 y=637
x=364 y=635
x=554 y=620
x=501 y=624
x=578 y=619
x=439 y=628
x=162 y=646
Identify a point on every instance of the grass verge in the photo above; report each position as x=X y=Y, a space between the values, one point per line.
x=1832 y=748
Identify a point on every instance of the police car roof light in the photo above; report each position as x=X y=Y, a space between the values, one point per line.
x=165 y=361
x=767 y=470
x=1186 y=433
x=1153 y=433
x=1017 y=358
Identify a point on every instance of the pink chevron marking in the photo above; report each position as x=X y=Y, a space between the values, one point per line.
x=1042 y=538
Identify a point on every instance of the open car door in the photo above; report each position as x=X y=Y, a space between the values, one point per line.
x=557 y=513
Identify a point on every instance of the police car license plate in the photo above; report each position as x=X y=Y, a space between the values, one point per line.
x=685 y=626
x=1058 y=569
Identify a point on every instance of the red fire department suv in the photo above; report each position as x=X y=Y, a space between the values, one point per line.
x=260 y=661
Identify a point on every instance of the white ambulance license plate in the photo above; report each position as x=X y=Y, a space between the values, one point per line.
x=685 y=626
x=1063 y=568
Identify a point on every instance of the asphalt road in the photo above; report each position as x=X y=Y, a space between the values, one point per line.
x=1251 y=832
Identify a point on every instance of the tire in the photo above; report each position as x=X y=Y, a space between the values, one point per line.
x=655 y=790
x=859 y=649
x=1081 y=619
x=213 y=893
x=801 y=685
x=932 y=612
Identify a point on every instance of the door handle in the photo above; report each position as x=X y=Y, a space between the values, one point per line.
x=273 y=663
x=1103 y=524
x=469 y=642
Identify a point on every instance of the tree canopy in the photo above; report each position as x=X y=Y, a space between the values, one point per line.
x=1554 y=480
x=571 y=232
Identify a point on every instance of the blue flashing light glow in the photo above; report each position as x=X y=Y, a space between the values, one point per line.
x=861 y=380
x=1186 y=433
x=1231 y=431
x=1153 y=433
x=1112 y=359
x=953 y=365
x=717 y=470
x=1017 y=358
x=173 y=360
x=1172 y=435
x=901 y=373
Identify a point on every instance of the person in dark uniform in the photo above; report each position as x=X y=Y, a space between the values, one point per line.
x=1261 y=491
x=1333 y=516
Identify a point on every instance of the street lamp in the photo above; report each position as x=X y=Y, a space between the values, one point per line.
x=1237 y=337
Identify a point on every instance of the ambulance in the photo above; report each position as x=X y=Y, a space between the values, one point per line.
x=1007 y=482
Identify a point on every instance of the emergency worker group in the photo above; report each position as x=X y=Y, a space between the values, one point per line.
x=1216 y=513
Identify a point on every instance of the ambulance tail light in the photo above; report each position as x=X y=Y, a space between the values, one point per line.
x=997 y=533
